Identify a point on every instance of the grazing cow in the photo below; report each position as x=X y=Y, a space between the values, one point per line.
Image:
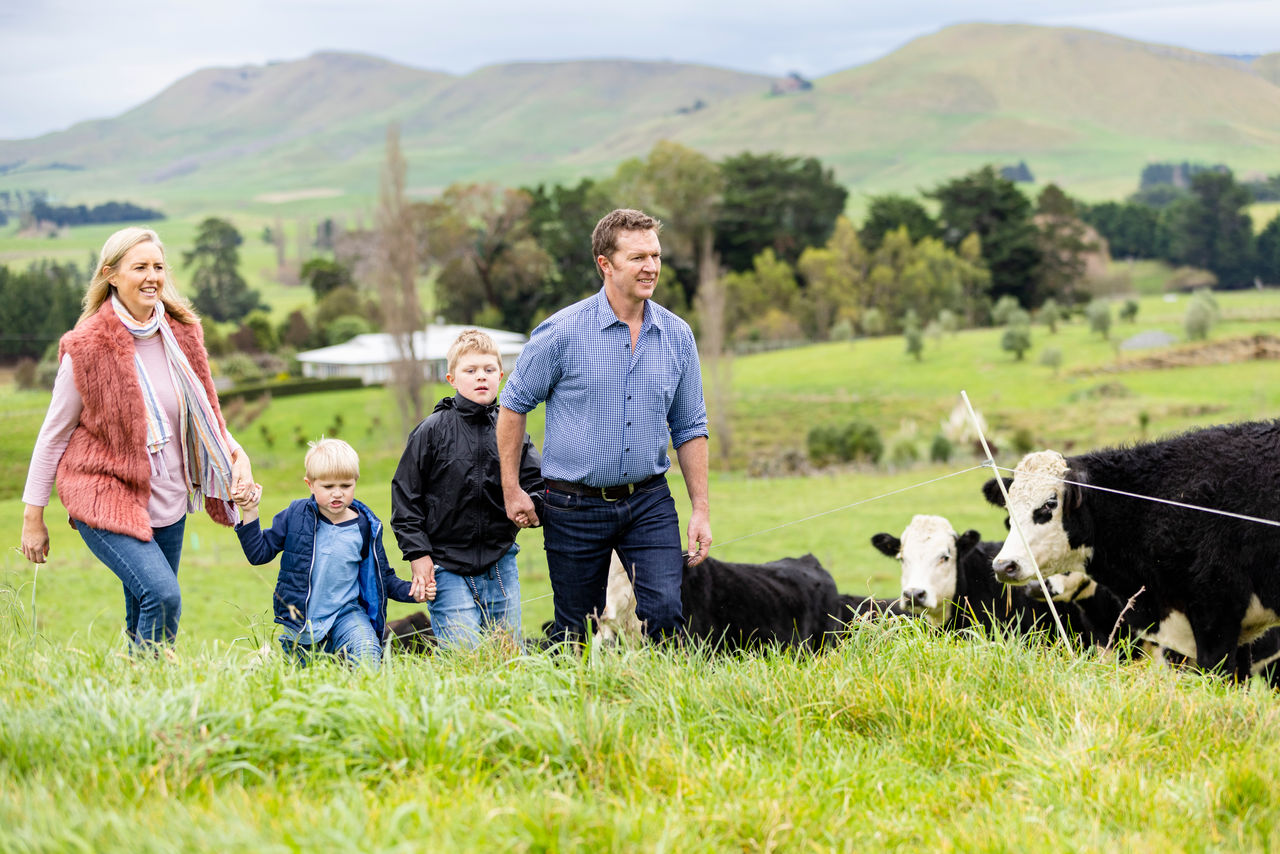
x=731 y=606
x=947 y=579
x=411 y=634
x=1219 y=572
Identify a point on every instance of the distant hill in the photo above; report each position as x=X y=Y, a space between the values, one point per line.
x=1268 y=66
x=1080 y=107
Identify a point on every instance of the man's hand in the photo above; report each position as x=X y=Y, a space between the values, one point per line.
x=699 y=536
x=423 y=586
x=520 y=508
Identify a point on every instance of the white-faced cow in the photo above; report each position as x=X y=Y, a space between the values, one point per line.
x=1221 y=572
x=730 y=606
x=947 y=579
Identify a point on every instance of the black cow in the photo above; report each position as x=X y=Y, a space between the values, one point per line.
x=731 y=606
x=1220 y=572
x=947 y=579
x=411 y=634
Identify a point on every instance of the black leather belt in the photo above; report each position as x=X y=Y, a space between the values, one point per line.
x=608 y=493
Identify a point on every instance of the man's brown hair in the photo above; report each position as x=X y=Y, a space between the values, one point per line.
x=604 y=238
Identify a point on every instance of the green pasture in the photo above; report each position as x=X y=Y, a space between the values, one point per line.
x=894 y=738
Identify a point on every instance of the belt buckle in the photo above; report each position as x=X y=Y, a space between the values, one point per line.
x=604 y=491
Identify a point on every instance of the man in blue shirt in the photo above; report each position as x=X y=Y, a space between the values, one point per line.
x=620 y=377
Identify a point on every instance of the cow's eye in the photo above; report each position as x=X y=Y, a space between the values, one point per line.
x=944 y=557
x=1044 y=512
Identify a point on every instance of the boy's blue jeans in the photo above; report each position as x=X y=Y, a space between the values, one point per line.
x=467 y=605
x=351 y=637
x=580 y=531
x=149 y=574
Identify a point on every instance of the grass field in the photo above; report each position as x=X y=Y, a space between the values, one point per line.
x=895 y=738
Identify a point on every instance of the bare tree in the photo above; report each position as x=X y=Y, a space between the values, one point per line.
x=396 y=267
x=715 y=356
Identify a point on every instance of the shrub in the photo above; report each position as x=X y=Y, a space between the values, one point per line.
x=24 y=373
x=860 y=440
x=1051 y=358
x=1129 y=311
x=239 y=367
x=1023 y=442
x=1099 y=315
x=841 y=330
x=1004 y=307
x=1190 y=279
x=823 y=444
x=1051 y=315
x=344 y=328
x=1199 y=319
x=904 y=453
x=873 y=322
x=941 y=449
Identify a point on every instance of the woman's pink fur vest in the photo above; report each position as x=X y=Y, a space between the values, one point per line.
x=104 y=476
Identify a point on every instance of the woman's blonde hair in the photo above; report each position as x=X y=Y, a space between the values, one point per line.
x=113 y=251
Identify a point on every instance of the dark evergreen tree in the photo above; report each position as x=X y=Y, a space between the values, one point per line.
x=1212 y=229
x=888 y=213
x=221 y=292
x=786 y=204
x=985 y=204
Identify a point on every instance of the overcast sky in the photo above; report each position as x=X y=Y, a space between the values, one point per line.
x=63 y=61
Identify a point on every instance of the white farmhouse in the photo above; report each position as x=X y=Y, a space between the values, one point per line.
x=370 y=356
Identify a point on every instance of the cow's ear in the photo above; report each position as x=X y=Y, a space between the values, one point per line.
x=1073 y=492
x=887 y=544
x=992 y=491
x=967 y=540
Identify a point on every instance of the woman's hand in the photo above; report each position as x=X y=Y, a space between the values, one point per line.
x=35 y=534
x=241 y=474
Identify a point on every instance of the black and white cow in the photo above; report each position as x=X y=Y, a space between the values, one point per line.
x=1221 y=573
x=947 y=579
x=730 y=606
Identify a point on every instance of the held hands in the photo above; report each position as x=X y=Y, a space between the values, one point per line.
x=247 y=497
x=423 y=586
x=520 y=508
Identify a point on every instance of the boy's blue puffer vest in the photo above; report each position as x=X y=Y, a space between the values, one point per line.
x=293 y=531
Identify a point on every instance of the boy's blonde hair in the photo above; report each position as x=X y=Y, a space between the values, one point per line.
x=471 y=341
x=331 y=459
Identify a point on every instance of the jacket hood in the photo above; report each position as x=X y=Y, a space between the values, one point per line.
x=468 y=409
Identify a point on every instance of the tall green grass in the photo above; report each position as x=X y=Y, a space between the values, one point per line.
x=897 y=737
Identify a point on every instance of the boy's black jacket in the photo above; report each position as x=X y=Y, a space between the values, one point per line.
x=446 y=496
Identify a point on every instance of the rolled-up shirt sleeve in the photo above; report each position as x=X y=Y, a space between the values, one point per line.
x=687 y=417
x=59 y=422
x=536 y=372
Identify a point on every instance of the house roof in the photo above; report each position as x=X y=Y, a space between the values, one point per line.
x=431 y=344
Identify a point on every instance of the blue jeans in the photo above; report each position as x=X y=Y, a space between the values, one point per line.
x=466 y=605
x=351 y=637
x=580 y=531
x=149 y=573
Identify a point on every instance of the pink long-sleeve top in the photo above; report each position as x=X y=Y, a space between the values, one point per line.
x=168 y=491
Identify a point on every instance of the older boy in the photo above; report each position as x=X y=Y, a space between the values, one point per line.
x=447 y=508
x=331 y=594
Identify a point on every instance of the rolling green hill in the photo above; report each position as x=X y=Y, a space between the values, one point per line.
x=1082 y=108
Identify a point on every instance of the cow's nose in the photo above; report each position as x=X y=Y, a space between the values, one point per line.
x=1005 y=568
x=915 y=596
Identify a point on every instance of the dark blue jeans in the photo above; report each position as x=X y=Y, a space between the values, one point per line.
x=149 y=573
x=580 y=531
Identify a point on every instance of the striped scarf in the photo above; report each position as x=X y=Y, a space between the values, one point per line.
x=206 y=459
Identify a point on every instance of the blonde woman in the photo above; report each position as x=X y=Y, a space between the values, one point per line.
x=134 y=437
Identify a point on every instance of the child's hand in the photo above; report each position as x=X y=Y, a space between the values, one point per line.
x=423 y=585
x=248 y=496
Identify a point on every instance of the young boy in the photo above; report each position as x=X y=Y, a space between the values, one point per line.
x=447 y=510
x=331 y=595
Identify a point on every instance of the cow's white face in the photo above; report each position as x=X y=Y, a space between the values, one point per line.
x=928 y=556
x=1036 y=505
x=619 y=620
